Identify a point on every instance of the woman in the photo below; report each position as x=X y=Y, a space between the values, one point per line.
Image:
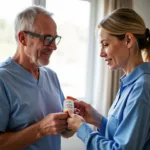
x=123 y=36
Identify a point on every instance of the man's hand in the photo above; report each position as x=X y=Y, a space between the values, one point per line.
x=53 y=124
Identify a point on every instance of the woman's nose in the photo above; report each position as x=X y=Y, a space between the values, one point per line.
x=102 y=53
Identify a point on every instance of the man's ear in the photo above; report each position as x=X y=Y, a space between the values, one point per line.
x=129 y=39
x=22 y=38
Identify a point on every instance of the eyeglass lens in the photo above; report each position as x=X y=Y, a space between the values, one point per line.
x=48 y=40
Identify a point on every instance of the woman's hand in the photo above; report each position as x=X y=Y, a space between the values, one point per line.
x=74 y=121
x=89 y=113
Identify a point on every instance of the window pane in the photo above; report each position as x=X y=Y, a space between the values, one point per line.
x=70 y=58
x=8 y=12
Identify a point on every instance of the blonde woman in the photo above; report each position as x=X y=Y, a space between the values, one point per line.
x=123 y=35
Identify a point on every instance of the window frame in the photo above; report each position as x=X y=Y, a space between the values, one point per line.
x=92 y=49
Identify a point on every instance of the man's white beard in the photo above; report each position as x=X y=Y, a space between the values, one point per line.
x=40 y=63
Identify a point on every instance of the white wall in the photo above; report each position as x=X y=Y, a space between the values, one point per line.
x=72 y=143
x=142 y=7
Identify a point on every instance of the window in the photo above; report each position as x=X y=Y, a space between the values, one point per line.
x=70 y=58
x=7 y=15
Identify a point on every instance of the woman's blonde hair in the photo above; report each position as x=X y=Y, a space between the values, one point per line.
x=124 y=20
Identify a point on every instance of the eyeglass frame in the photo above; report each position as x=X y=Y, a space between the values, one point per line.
x=43 y=37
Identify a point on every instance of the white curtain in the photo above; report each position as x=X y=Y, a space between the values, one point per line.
x=106 y=82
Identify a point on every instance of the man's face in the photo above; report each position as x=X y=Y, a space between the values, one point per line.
x=36 y=50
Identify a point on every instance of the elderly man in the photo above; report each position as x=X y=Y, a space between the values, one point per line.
x=31 y=116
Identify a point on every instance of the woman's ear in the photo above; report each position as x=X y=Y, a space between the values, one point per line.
x=129 y=39
x=22 y=38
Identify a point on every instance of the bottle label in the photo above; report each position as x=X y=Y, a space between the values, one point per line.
x=68 y=105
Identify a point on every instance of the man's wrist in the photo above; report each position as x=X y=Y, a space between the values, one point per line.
x=39 y=133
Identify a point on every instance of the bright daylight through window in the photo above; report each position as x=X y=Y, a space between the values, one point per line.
x=70 y=58
x=8 y=12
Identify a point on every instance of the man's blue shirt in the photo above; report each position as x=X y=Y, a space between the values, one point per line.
x=128 y=124
x=24 y=100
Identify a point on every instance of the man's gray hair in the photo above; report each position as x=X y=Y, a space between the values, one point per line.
x=25 y=20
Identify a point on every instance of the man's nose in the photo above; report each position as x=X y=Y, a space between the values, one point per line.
x=53 y=45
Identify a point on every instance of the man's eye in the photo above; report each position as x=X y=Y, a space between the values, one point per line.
x=49 y=38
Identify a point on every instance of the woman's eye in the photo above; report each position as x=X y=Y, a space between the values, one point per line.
x=105 y=45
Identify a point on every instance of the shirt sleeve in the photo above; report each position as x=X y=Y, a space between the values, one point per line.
x=132 y=131
x=4 y=108
x=103 y=126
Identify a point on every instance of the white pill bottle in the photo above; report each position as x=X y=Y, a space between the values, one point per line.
x=68 y=105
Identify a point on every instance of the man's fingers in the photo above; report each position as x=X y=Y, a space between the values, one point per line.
x=61 y=115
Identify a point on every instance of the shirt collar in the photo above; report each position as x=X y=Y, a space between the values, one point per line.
x=143 y=68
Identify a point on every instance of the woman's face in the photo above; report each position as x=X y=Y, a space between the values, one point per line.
x=113 y=50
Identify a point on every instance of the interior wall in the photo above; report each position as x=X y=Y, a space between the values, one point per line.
x=142 y=7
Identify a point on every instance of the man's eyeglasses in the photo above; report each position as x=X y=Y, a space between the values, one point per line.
x=47 y=39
